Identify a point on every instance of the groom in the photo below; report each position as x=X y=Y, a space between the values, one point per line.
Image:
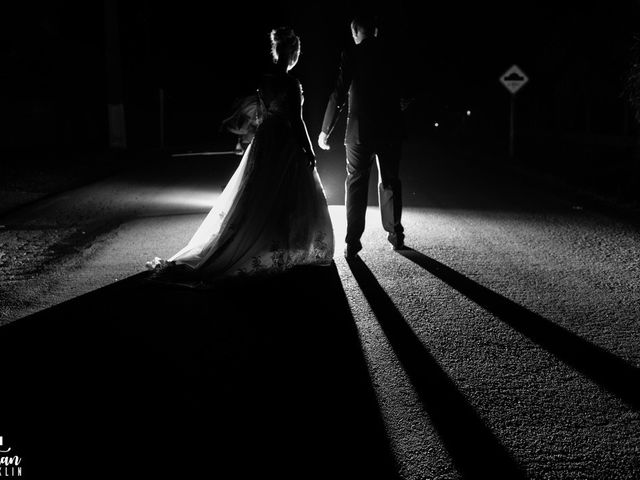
x=367 y=79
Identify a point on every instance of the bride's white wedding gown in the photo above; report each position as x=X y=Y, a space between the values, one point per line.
x=273 y=214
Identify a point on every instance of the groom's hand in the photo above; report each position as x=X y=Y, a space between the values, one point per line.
x=322 y=141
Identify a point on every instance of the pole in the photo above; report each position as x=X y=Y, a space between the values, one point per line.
x=115 y=105
x=161 y=98
x=512 y=116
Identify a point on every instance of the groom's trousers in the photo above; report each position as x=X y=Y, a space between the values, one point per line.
x=359 y=161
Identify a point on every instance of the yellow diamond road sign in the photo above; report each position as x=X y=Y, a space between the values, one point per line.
x=514 y=79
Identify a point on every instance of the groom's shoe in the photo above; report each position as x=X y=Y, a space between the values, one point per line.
x=397 y=241
x=351 y=250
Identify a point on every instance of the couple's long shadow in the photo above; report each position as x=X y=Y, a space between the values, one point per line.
x=602 y=367
x=476 y=452
x=263 y=378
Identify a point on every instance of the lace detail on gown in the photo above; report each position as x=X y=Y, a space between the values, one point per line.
x=272 y=215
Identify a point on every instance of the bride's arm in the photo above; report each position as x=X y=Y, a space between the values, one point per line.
x=300 y=128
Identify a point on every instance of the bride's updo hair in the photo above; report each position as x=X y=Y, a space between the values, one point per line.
x=285 y=44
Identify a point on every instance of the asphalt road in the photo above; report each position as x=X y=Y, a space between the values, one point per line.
x=504 y=343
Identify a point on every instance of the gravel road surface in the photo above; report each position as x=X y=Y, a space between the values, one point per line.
x=504 y=343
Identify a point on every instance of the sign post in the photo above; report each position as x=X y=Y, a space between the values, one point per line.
x=513 y=80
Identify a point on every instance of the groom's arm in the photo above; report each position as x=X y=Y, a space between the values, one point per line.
x=338 y=97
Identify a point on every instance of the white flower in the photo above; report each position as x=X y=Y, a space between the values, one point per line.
x=155 y=263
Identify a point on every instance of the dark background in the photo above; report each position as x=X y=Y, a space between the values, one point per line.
x=203 y=55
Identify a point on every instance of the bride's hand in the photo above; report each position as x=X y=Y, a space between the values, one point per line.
x=311 y=159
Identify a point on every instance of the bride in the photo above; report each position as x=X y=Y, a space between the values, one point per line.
x=273 y=214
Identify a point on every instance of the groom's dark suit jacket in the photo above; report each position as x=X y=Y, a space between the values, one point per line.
x=368 y=79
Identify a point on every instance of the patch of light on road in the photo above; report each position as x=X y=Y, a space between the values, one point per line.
x=339 y=221
x=187 y=198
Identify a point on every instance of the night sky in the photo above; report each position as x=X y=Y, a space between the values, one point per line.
x=203 y=55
